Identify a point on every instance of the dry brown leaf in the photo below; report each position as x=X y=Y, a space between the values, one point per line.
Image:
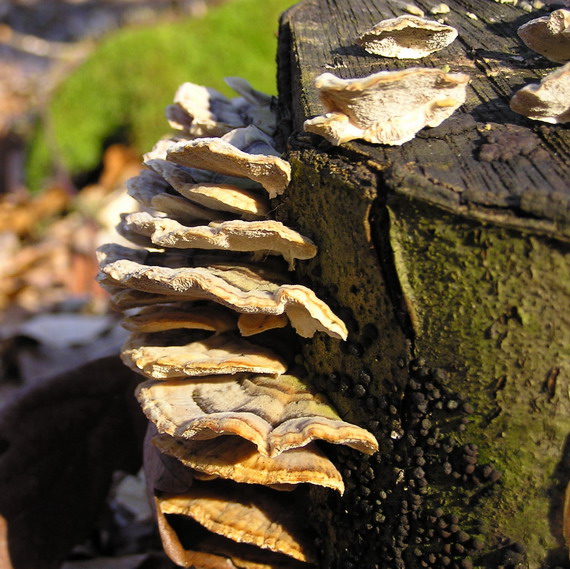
x=60 y=444
x=238 y=460
x=276 y=414
x=21 y=214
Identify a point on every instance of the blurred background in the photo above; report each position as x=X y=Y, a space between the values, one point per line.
x=83 y=86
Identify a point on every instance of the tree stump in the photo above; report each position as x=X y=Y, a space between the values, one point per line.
x=448 y=259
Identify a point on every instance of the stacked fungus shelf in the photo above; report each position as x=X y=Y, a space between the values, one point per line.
x=447 y=257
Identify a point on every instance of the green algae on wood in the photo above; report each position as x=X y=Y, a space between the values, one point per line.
x=491 y=305
x=346 y=271
x=496 y=355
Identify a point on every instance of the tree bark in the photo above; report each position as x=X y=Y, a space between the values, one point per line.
x=448 y=260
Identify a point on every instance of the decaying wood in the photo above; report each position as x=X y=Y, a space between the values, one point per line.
x=448 y=258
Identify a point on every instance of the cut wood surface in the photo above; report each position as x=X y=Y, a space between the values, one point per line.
x=486 y=161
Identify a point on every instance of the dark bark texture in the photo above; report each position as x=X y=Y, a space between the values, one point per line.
x=448 y=259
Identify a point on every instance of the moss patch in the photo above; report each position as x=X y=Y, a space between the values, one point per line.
x=473 y=433
x=489 y=307
x=122 y=89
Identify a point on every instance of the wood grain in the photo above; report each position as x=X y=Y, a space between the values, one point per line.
x=486 y=161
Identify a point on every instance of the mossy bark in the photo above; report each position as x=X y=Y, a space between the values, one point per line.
x=457 y=359
x=490 y=306
x=451 y=270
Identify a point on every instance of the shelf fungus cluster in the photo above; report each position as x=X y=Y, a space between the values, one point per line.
x=549 y=100
x=234 y=429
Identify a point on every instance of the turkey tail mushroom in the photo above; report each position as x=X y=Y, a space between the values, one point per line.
x=406 y=37
x=211 y=268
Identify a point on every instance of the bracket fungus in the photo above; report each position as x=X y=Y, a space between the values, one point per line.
x=151 y=191
x=212 y=269
x=210 y=317
x=236 y=154
x=230 y=288
x=406 y=37
x=238 y=460
x=549 y=35
x=388 y=107
x=255 y=516
x=190 y=545
x=547 y=101
x=201 y=111
x=219 y=197
x=154 y=356
x=269 y=236
x=275 y=413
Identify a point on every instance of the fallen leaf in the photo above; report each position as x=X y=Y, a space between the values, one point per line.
x=59 y=446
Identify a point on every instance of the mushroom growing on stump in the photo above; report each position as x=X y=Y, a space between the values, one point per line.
x=202 y=111
x=549 y=35
x=268 y=236
x=244 y=153
x=388 y=107
x=276 y=413
x=547 y=101
x=220 y=197
x=406 y=37
x=212 y=268
x=238 y=460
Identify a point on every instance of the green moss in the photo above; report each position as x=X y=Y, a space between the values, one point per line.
x=489 y=306
x=125 y=84
x=489 y=316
